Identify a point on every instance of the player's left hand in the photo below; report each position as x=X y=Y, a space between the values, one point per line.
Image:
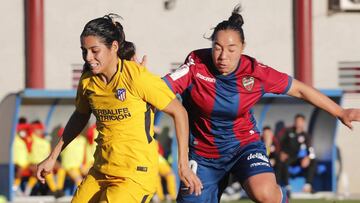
x=349 y=115
x=191 y=180
x=143 y=61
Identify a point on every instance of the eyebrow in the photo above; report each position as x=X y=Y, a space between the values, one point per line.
x=89 y=47
x=230 y=45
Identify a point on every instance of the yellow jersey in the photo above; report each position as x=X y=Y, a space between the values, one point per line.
x=40 y=149
x=20 y=152
x=124 y=119
x=73 y=155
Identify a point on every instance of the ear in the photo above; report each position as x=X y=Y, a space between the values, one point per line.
x=115 y=46
x=243 y=47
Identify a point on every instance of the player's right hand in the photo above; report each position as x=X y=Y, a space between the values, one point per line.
x=44 y=168
x=190 y=180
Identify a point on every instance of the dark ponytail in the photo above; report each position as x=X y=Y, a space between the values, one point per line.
x=128 y=52
x=235 y=22
x=235 y=17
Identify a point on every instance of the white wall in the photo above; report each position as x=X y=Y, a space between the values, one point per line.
x=165 y=36
x=335 y=39
x=168 y=36
x=12 y=47
x=348 y=142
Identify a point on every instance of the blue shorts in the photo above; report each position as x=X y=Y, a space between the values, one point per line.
x=250 y=160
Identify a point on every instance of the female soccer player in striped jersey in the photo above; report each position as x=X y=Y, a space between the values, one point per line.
x=219 y=86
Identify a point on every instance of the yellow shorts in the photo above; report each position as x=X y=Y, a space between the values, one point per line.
x=98 y=187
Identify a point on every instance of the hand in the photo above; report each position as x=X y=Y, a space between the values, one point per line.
x=44 y=168
x=305 y=162
x=191 y=180
x=143 y=61
x=349 y=115
x=283 y=156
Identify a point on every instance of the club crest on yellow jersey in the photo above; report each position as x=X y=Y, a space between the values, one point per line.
x=121 y=94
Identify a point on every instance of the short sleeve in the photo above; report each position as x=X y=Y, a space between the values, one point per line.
x=181 y=78
x=273 y=81
x=81 y=102
x=152 y=89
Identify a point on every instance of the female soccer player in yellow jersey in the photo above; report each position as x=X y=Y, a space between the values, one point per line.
x=119 y=94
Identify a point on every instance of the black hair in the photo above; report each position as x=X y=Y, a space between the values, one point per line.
x=37 y=121
x=129 y=51
x=106 y=29
x=299 y=115
x=234 y=22
x=22 y=120
x=266 y=128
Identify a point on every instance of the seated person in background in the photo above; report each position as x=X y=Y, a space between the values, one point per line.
x=72 y=158
x=21 y=150
x=90 y=147
x=271 y=149
x=165 y=172
x=296 y=149
x=40 y=148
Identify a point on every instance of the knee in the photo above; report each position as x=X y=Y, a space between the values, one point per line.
x=267 y=194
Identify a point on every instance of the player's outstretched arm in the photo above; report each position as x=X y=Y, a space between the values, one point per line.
x=74 y=126
x=187 y=176
x=305 y=92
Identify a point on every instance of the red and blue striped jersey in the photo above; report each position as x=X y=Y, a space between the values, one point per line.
x=219 y=106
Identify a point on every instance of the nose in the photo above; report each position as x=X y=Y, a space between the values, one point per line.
x=223 y=55
x=88 y=56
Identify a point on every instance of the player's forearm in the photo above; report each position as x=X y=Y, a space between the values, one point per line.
x=57 y=150
x=182 y=135
x=302 y=91
x=179 y=114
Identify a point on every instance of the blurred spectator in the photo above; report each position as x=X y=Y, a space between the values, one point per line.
x=165 y=173
x=21 y=150
x=296 y=149
x=72 y=158
x=270 y=144
x=168 y=175
x=40 y=148
x=90 y=147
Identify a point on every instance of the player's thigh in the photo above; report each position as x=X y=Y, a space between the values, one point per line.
x=256 y=174
x=89 y=190
x=263 y=187
x=125 y=190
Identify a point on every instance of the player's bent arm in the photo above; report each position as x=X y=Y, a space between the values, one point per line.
x=179 y=114
x=305 y=92
x=73 y=128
